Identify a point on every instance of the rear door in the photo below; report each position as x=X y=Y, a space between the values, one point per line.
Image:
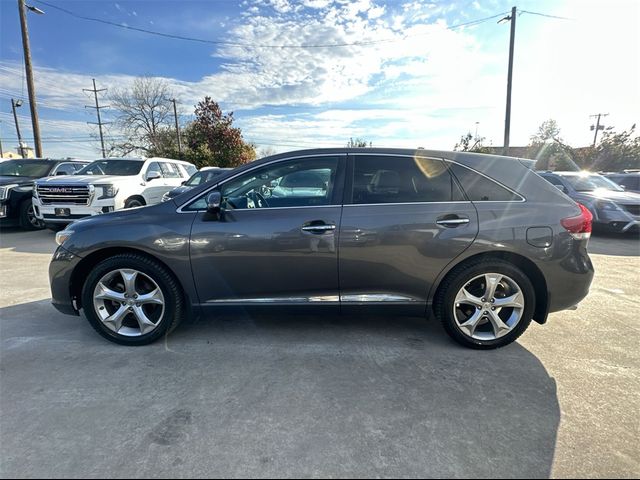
x=404 y=219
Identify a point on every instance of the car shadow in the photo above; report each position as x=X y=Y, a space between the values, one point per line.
x=26 y=241
x=270 y=395
x=617 y=244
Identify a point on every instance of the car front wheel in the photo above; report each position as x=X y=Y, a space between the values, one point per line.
x=485 y=304
x=132 y=300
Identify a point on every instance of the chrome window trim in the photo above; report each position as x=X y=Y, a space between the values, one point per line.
x=378 y=154
x=466 y=202
x=286 y=159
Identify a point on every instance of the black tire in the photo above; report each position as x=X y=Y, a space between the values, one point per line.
x=174 y=308
x=28 y=220
x=459 y=277
x=133 y=203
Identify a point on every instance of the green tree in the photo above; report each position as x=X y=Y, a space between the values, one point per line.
x=212 y=139
x=615 y=152
x=548 y=149
x=469 y=144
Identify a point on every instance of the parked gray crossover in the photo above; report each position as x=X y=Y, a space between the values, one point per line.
x=481 y=241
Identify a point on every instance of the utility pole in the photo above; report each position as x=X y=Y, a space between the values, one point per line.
x=15 y=104
x=507 y=120
x=597 y=126
x=175 y=116
x=29 y=70
x=97 y=107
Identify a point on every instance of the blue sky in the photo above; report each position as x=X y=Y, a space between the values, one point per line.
x=421 y=84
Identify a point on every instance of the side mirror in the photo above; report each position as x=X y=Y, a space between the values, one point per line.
x=562 y=188
x=213 y=203
x=152 y=175
x=183 y=182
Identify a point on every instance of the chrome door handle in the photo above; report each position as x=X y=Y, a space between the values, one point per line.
x=318 y=228
x=452 y=222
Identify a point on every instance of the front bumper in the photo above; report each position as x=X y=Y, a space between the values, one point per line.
x=617 y=220
x=8 y=214
x=60 y=273
x=47 y=213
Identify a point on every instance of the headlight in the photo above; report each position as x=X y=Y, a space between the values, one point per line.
x=606 y=205
x=108 y=191
x=63 y=236
x=4 y=191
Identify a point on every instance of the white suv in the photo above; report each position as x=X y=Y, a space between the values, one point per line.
x=107 y=185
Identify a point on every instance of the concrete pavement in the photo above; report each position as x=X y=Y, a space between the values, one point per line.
x=291 y=396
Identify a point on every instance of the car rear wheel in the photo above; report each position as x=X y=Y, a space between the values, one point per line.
x=28 y=219
x=132 y=300
x=485 y=304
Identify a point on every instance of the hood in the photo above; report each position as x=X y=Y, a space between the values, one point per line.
x=84 y=179
x=611 y=195
x=14 y=180
x=177 y=191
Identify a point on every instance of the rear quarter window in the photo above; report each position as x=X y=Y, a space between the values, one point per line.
x=480 y=188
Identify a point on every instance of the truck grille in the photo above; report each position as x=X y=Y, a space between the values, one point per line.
x=64 y=195
x=632 y=209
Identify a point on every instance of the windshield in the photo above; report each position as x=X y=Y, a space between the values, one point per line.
x=589 y=183
x=26 y=168
x=112 y=167
x=202 y=177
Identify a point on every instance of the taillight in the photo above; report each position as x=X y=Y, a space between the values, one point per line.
x=579 y=226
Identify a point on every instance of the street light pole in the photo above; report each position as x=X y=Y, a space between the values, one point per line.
x=30 y=84
x=15 y=104
x=507 y=120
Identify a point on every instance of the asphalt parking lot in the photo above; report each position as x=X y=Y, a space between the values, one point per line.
x=292 y=396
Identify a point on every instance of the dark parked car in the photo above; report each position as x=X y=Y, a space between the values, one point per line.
x=611 y=206
x=630 y=181
x=16 y=186
x=481 y=241
x=204 y=175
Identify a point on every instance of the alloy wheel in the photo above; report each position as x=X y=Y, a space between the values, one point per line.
x=128 y=302
x=489 y=306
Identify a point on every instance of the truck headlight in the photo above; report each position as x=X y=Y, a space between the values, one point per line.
x=63 y=236
x=4 y=191
x=108 y=191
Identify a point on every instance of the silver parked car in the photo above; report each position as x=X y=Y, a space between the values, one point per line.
x=612 y=207
x=480 y=241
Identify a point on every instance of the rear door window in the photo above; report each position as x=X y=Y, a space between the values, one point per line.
x=480 y=188
x=170 y=170
x=387 y=179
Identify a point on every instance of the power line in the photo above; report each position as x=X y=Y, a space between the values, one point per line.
x=257 y=45
x=545 y=15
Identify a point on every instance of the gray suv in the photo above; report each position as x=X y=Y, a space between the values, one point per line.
x=481 y=241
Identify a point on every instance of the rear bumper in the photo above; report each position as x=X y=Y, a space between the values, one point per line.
x=569 y=279
x=60 y=274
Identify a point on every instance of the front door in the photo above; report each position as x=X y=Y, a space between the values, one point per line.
x=403 y=221
x=274 y=243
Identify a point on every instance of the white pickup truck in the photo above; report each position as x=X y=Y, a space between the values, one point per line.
x=107 y=185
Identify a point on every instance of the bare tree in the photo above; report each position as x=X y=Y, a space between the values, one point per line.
x=266 y=152
x=358 y=143
x=144 y=114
